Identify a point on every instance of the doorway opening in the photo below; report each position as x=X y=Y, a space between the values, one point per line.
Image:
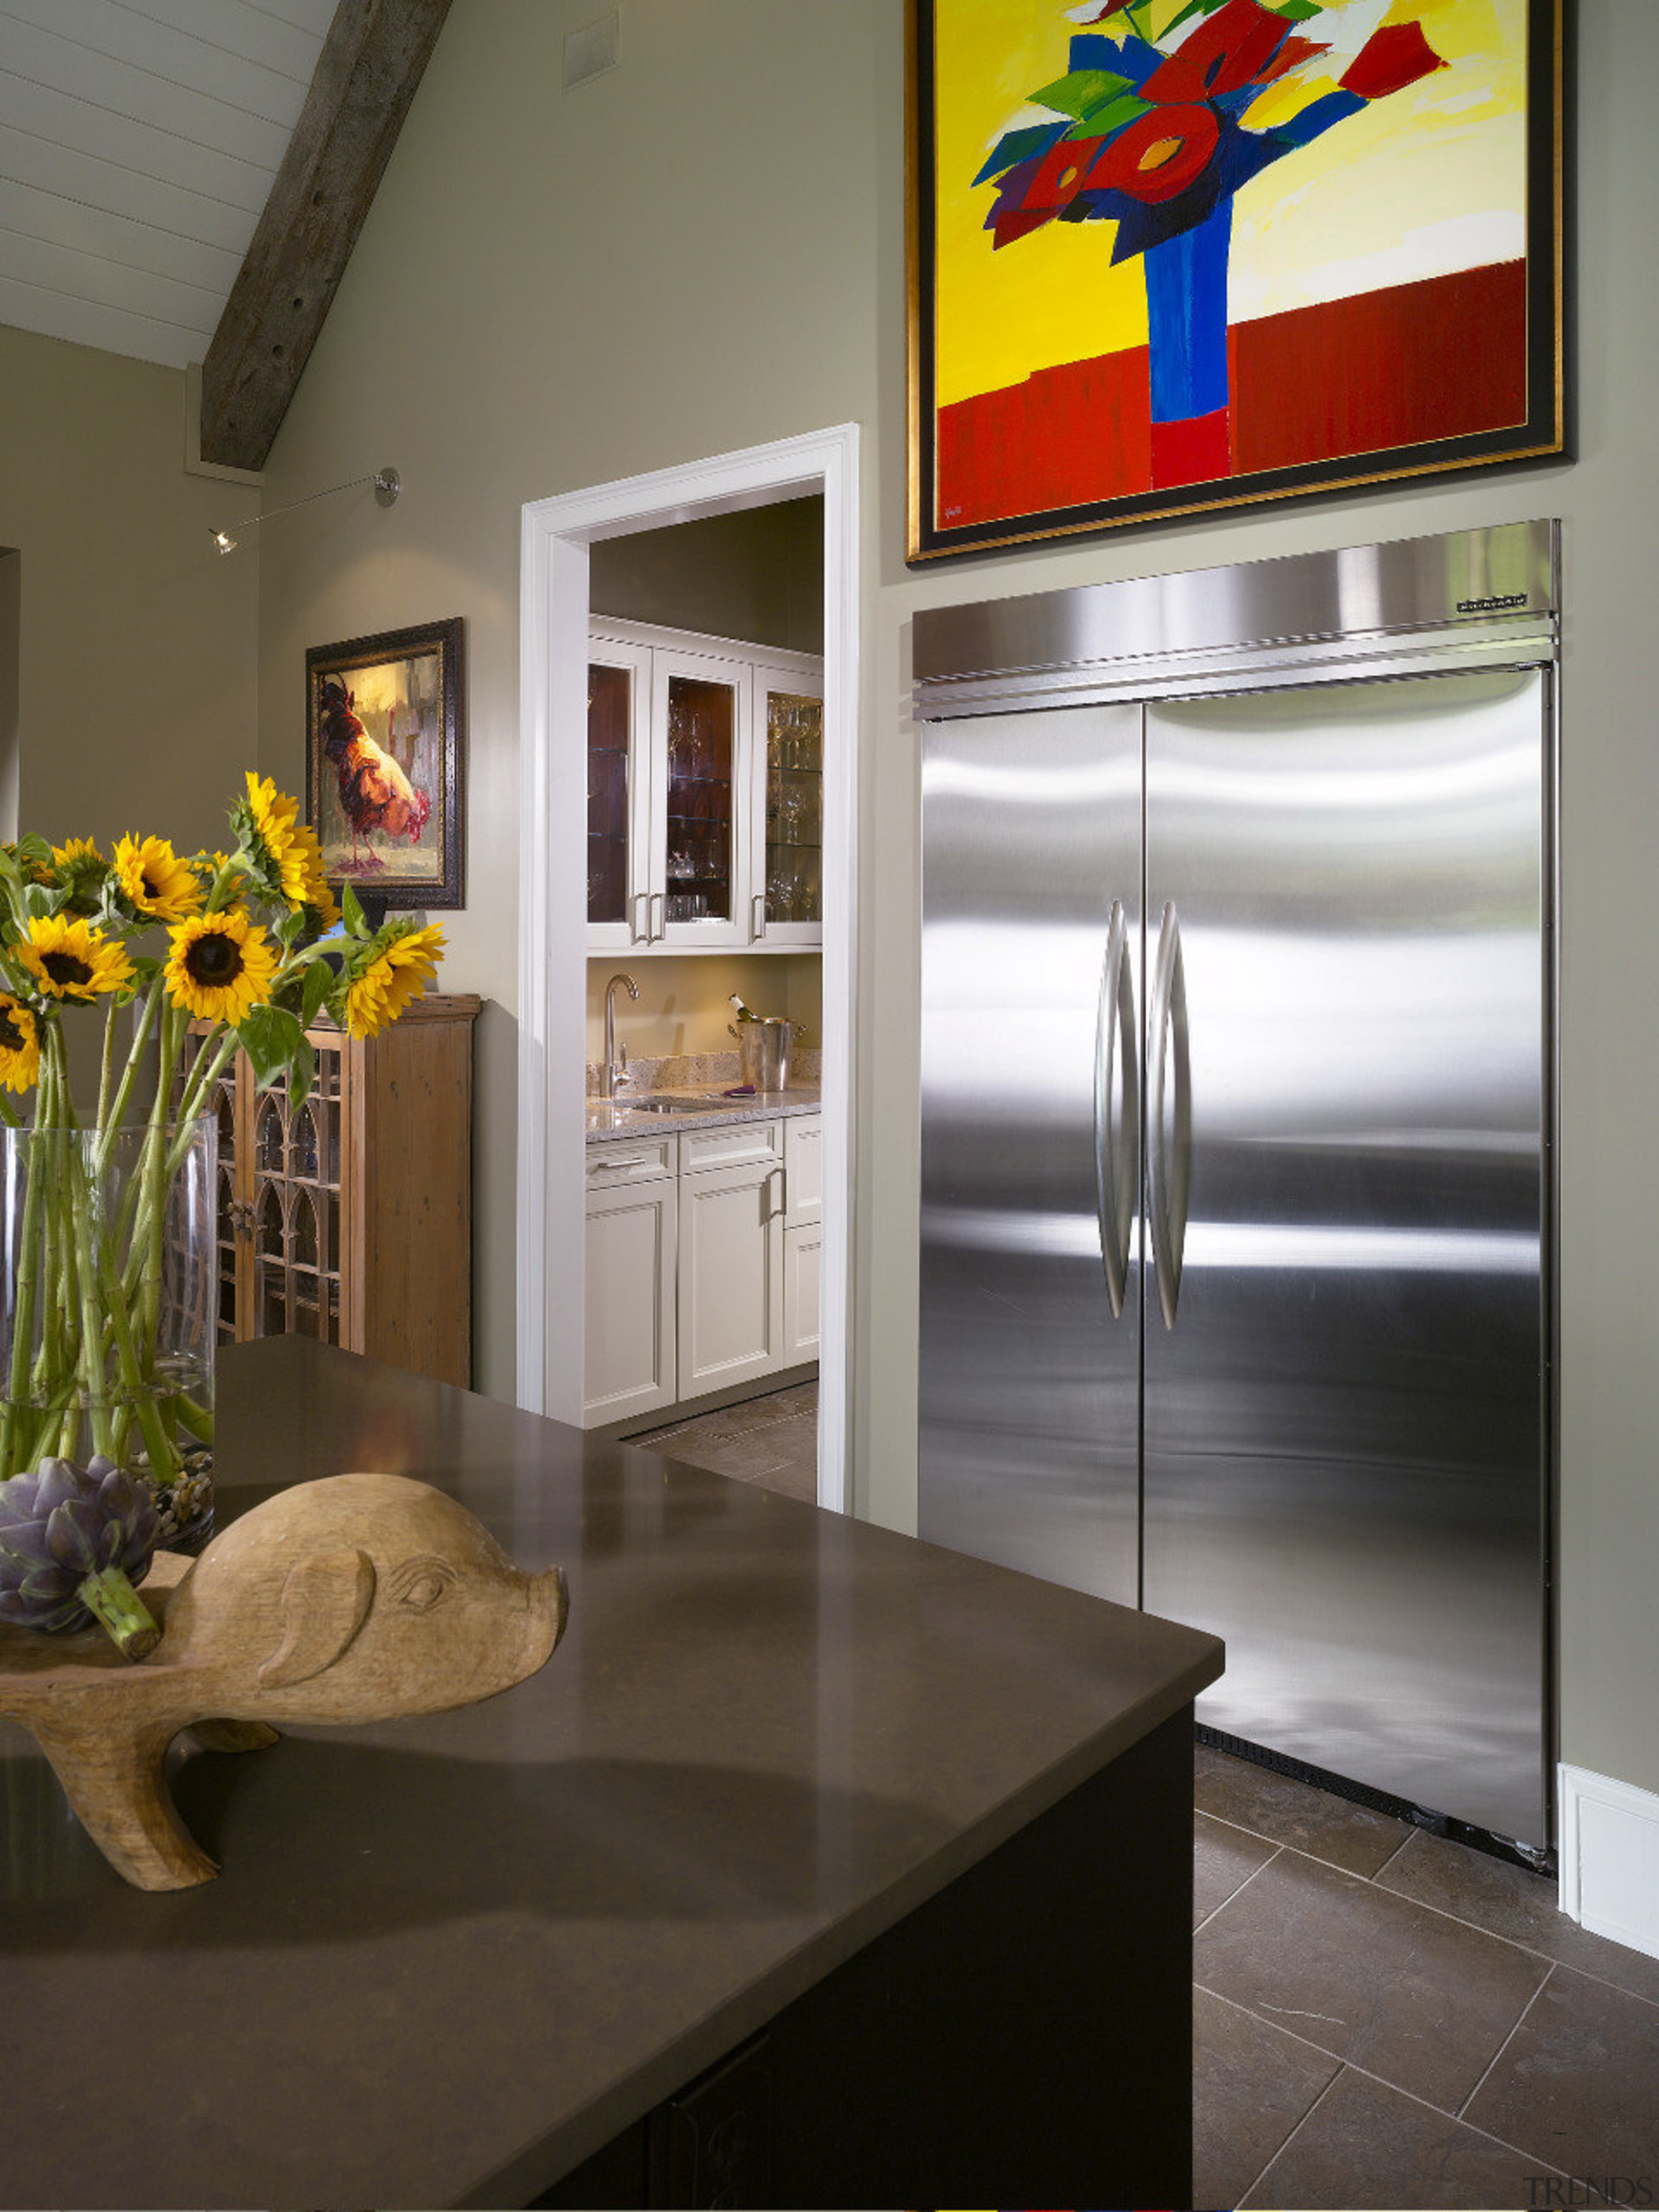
x=558 y=576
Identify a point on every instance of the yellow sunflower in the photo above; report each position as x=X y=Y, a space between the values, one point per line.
x=70 y=959
x=20 y=1044
x=220 y=964
x=156 y=881
x=296 y=859
x=401 y=971
x=77 y=854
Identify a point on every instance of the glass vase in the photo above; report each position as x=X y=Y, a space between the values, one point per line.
x=107 y=1249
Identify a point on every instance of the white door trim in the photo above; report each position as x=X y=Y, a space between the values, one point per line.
x=1609 y=1842
x=556 y=535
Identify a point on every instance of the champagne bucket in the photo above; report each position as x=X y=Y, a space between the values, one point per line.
x=763 y=1050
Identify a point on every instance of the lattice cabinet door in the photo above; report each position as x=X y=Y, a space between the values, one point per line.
x=347 y=1218
x=298 y=1245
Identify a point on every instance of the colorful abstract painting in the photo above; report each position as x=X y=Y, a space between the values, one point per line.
x=1169 y=255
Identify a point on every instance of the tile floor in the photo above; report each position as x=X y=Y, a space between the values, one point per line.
x=773 y=1441
x=1381 y=2017
x=1385 y=2018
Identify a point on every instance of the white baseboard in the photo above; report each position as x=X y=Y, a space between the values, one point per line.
x=1610 y=1834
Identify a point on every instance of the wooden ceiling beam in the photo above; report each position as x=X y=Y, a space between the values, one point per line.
x=366 y=77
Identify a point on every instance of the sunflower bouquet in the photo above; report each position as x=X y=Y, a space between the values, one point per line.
x=188 y=958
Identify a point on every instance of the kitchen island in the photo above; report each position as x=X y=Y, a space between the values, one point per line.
x=819 y=1866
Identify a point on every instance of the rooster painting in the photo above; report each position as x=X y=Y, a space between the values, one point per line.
x=384 y=742
x=375 y=792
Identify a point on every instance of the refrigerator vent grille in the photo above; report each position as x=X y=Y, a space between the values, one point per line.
x=1379 y=1800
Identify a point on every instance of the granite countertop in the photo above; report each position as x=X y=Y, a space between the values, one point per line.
x=448 y=1958
x=608 y=1119
x=701 y=1079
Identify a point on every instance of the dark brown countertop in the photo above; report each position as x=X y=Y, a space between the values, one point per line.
x=448 y=1958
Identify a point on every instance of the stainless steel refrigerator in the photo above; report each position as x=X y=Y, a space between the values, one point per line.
x=1236 y=1112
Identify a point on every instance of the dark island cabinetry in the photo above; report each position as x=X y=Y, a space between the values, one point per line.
x=818 y=1867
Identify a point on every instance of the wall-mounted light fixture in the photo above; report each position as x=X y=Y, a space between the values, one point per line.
x=387 y=483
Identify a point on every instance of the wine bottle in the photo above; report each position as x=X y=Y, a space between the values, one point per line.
x=742 y=1012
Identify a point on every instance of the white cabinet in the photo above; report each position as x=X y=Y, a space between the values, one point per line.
x=803 y=1160
x=802 y=1251
x=787 y=886
x=803 y=1236
x=705 y=793
x=703 y=1263
x=731 y=1323
x=633 y=1233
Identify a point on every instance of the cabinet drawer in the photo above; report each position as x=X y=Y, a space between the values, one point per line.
x=638 y=1160
x=738 y=1144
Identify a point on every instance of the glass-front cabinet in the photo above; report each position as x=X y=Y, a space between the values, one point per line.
x=789 y=713
x=618 y=794
x=705 y=793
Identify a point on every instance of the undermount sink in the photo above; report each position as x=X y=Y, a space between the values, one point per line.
x=675 y=1105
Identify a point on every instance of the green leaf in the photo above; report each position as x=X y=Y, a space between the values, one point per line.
x=1015 y=146
x=352 y=914
x=1076 y=94
x=302 y=1074
x=289 y=929
x=320 y=980
x=272 y=1040
x=1124 y=109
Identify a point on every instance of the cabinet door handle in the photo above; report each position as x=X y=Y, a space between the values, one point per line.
x=757 y=922
x=1115 y=1180
x=657 y=899
x=636 y=933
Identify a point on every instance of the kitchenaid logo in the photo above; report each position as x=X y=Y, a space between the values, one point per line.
x=1491 y=606
x=1548 y=2189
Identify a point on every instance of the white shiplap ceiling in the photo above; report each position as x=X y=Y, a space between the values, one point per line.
x=138 y=143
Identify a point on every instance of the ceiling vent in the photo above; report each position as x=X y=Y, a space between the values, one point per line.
x=592 y=52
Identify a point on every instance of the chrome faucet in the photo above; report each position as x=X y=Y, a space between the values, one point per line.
x=614 y=1071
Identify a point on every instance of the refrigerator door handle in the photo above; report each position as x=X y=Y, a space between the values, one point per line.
x=1170 y=1137
x=1116 y=1181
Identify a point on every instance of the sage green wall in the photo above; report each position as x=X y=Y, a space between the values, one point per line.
x=702 y=250
x=11 y=615
x=757 y=576
x=137 y=641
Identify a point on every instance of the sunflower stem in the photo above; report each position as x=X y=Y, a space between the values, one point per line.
x=23 y=1317
x=107 y=1067
x=194 y=1417
x=129 y=1074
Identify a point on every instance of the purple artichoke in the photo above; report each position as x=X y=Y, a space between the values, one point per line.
x=74 y=1541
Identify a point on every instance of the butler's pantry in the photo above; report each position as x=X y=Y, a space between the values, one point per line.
x=704 y=1190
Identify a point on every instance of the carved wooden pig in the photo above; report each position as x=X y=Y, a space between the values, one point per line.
x=360 y=1597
